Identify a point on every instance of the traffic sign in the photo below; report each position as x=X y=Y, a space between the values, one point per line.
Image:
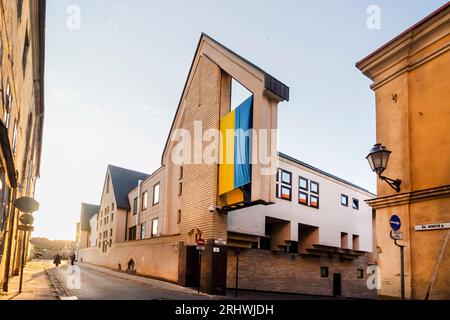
x=395 y=222
x=22 y=227
x=396 y=235
x=201 y=248
x=201 y=242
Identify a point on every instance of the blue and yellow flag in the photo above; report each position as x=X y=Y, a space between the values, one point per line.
x=235 y=167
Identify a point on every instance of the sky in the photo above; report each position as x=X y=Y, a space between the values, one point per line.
x=115 y=70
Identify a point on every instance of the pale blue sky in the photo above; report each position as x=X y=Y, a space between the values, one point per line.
x=112 y=87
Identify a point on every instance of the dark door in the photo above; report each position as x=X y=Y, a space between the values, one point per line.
x=191 y=267
x=337 y=286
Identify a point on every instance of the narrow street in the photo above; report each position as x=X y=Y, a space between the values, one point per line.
x=97 y=285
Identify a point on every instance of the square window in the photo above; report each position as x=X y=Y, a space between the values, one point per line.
x=314 y=201
x=324 y=272
x=355 y=204
x=286 y=177
x=303 y=198
x=286 y=193
x=303 y=183
x=314 y=187
x=360 y=274
x=344 y=200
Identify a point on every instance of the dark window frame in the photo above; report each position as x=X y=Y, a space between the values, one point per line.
x=135 y=206
x=343 y=196
x=299 y=183
x=324 y=272
x=26 y=50
x=318 y=201
x=280 y=184
x=353 y=204
x=307 y=198
x=144 y=200
x=360 y=273
x=311 y=188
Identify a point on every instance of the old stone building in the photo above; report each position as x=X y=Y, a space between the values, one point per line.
x=411 y=80
x=22 y=46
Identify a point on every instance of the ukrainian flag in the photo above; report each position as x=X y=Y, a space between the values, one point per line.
x=234 y=167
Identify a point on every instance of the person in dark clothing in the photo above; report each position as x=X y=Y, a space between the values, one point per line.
x=57 y=260
x=72 y=259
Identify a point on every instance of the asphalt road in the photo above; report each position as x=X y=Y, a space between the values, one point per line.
x=95 y=285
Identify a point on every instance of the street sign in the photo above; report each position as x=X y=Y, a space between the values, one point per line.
x=435 y=226
x=396 y=235
x=22 y=227
x=395 y=222
x=216 y=249
x=201 y=242
x=26 y=218
x=201 y=248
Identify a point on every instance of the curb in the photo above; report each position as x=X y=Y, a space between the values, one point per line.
x=57 y=287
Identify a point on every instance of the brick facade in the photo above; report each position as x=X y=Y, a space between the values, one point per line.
x=285 y=272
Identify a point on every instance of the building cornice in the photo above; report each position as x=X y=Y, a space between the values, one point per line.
x=398 y=56
x=410 y=197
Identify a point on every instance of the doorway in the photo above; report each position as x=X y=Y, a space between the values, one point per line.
x=191 y=267
x=337 y=285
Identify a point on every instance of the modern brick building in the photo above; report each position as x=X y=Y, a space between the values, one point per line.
x=151 y=224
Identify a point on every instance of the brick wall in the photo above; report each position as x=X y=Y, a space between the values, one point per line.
x=281 y=272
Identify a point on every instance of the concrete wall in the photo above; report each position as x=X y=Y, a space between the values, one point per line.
x=332 y=218
x=281 y=272
x=157 y=258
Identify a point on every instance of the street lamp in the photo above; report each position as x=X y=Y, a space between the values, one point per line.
x=378 y=159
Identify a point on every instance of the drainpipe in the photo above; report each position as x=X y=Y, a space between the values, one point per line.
x=139 y=207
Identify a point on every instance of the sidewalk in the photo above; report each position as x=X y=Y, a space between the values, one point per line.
x=36 y=285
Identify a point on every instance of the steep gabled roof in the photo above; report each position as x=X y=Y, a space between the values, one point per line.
x=87 y=212
x=123 y=181
x=271 y=84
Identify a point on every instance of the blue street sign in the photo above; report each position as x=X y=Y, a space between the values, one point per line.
x=395 y=223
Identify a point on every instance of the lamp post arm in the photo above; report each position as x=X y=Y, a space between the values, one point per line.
x=394 y=184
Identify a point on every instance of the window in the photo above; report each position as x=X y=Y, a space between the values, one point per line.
x=100 y=236
x=142 y=235
x=112 y=217
x=303 y=183
x=344 y=200
x=135 y=204
x=107 y=183
x=144 y=200
x=19 y=8
x=355 y=204
x=14 y=141
x=314 y=187
x=303 y=198
x=360 y=274
x=132 y=233
x=179 y=217
x=9 y=101
x=181 y=173
x=180 y=189
x=314 y=201
x=324 y=272
x=26 y=48
x=112 y=206
x=110 y=232
x=284 y=185
x=154 y=227
x=156 y=194
x=110 y=242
